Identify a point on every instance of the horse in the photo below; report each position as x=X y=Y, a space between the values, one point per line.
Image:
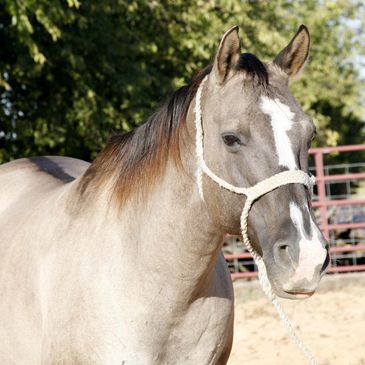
x=119 y=261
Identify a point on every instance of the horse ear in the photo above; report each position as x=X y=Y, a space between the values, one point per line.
x=227 y=55
x=294 y=56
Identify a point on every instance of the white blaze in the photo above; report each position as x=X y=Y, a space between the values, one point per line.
x=281 y=119
x=311 y=251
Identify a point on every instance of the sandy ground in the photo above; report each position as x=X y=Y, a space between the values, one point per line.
x=331 y=323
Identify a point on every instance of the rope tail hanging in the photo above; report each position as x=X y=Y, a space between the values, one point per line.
x=252 y=193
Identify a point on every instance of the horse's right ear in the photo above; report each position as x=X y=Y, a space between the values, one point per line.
x=227 y=55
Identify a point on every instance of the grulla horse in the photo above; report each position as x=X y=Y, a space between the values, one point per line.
x=119 y=261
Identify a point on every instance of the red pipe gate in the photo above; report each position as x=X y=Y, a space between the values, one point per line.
x=325 y=205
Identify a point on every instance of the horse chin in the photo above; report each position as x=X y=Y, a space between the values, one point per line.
x=293 y=295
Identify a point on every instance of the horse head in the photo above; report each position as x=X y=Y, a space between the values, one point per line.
x=253 y=129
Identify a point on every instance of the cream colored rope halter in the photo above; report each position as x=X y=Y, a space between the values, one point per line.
x=252 y=193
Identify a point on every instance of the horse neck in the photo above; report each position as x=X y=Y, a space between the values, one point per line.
x=168 y=230
x=175 y=237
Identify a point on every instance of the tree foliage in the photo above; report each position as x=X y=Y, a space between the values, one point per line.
x=73 y=72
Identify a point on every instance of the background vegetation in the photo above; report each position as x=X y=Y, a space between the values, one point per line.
x=73 y=72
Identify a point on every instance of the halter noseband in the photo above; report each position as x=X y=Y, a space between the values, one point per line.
x=252 y=193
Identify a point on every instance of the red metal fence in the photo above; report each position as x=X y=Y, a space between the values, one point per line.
x=348 y=250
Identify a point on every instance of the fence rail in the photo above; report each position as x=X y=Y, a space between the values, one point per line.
x=348 y=249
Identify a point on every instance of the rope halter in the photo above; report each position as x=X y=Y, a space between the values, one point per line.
x=252 y=193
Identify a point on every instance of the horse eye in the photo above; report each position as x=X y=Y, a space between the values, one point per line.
x=231 y=139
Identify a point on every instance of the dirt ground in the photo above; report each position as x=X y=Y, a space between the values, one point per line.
x=331 y=323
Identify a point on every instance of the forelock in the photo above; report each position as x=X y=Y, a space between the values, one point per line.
x=254 y=68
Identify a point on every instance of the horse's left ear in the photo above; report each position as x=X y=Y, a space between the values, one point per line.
x=227 y=56
x=294 y=56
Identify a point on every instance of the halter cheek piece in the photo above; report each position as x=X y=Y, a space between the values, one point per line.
x=252 y=193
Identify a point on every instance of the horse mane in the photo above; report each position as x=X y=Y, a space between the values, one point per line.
x=144 y=152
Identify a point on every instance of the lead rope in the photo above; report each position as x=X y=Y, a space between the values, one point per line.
x=252 y=193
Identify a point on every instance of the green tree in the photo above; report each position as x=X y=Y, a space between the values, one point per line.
x=73 y=72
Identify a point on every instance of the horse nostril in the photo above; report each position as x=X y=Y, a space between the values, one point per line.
x=282 y=254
